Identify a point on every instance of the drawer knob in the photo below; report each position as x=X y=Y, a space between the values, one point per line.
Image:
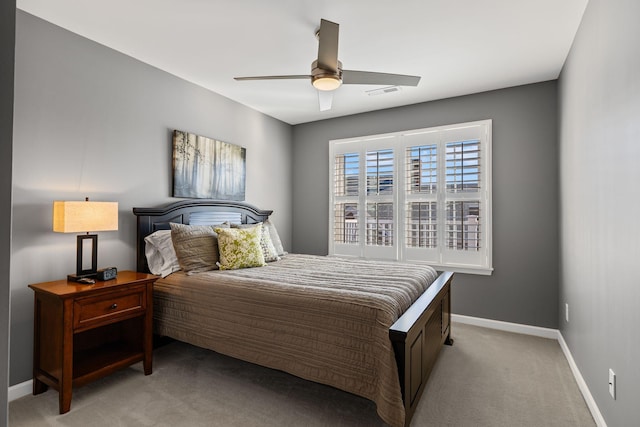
x=114 y=306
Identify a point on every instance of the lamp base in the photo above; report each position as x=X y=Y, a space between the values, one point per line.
x=87 y=275
x=78 y=277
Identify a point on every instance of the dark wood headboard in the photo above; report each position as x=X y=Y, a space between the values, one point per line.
x=181 y=212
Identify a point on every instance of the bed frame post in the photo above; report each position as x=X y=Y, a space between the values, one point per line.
x=417 y=339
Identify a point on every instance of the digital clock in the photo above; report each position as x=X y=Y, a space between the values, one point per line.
x=107 y=273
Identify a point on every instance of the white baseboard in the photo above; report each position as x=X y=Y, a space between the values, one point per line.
x=588 y=398
x=23 y=389
x=544 y=333
x=518 y=328
x=19 y=390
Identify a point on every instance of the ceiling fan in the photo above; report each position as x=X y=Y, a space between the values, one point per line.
x=327 y=74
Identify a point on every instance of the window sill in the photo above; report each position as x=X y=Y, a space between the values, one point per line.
x=466 y=269
x=481 y=271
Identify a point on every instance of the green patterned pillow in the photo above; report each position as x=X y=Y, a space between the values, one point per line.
x=268 y=249
x=239 y=247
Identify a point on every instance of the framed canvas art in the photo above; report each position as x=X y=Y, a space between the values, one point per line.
x=205 y=168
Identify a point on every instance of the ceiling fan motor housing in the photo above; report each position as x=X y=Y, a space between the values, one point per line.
x=323 y=79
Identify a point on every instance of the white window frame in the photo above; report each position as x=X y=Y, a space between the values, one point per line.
x=465 y=261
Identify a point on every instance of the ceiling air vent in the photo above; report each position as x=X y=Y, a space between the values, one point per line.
x=383 y=91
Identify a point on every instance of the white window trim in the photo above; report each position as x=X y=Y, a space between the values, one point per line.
x=399 y=141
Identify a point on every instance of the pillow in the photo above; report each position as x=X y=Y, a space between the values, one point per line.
x=240 y=247
x=268 y=250
x=275 y=238
x=161 y=257
x=196 y=247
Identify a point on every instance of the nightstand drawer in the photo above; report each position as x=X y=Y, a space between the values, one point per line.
x=103 y=309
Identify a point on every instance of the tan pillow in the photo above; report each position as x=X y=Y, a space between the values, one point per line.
x=196 y=247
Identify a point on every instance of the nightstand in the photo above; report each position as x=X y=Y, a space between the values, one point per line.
x=84 y=332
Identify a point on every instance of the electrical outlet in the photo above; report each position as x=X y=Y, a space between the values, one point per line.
x=566 y=312
x=612 y=384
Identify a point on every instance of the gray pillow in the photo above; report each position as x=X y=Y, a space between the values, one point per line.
x=196 y=247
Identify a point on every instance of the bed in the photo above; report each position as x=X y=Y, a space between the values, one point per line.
x=374 y=338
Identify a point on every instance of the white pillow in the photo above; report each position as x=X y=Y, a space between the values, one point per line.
x=161 y=256
x=275 y=238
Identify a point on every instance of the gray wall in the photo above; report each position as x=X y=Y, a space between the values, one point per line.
x=524 y=284
x=600 y=194
x=7 y=48
x=90 y=121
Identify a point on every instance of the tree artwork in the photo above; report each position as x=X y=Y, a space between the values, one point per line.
x=205 y=168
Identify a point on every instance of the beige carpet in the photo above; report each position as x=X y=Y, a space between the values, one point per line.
x=488 y=378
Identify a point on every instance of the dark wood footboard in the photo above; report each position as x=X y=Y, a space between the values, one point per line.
x=418 y=337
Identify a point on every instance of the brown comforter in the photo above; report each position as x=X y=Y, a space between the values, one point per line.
x=325 y=319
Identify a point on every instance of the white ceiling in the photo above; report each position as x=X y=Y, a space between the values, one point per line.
x=457 y=46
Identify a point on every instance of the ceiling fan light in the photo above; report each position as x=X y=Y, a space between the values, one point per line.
x=327 y=83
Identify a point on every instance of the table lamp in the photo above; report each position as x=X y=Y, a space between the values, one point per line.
x=78 y=217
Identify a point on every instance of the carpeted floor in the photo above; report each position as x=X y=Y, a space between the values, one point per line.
x=488 y=378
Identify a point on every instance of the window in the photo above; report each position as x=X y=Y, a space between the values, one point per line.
x=421 y=196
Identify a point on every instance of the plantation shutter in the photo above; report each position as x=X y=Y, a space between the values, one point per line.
x=419 y=196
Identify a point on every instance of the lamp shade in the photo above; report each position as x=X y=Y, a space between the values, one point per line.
x=75 y=217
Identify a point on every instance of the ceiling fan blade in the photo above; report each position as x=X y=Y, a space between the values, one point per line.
x=294 y=76
x=328 y=45
x=351 y=77
x=325 y=98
